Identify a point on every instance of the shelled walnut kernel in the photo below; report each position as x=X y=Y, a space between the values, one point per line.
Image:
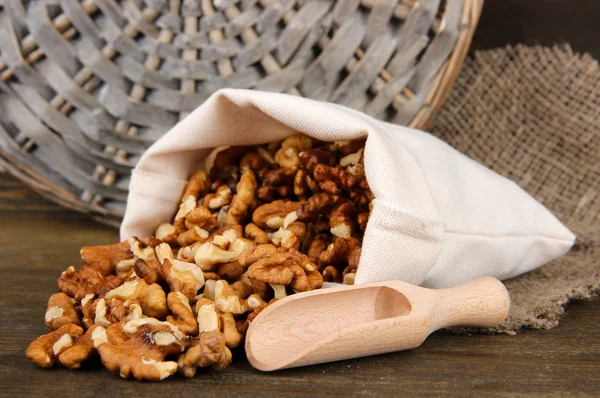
x=257 y=224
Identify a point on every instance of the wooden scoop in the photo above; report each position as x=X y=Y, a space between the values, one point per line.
x=349 y=322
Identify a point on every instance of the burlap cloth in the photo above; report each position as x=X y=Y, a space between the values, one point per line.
x=532 y=114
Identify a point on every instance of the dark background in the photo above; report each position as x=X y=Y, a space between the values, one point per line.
x=544 y=22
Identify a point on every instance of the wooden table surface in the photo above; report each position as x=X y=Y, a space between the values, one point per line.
x=38 y=240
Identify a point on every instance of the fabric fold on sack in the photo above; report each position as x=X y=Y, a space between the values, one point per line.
x=439 y=218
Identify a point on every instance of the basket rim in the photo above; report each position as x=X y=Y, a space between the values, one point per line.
x=443 y=82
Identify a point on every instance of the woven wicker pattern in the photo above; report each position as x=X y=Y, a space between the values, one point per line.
x=87 y=85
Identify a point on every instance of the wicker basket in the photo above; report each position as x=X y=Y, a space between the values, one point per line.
x=87 y=85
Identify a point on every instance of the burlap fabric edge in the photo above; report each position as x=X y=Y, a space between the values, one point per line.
x=532 y=115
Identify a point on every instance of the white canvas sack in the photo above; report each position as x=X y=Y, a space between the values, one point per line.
x=439 y=218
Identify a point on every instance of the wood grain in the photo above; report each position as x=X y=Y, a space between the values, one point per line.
x=38 y=240
x=328 y=325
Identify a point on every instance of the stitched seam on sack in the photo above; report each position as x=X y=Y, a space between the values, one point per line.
x=508 y=236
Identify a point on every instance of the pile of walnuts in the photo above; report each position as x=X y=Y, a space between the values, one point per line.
x=256 y=224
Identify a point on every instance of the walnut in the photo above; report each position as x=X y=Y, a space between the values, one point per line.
x=208 y=349
x=188 y=203
x=340 y=251
x=241 y=289
x=211 y=276
x=305 y=184
x=267 y=154
x=271 y=215
x=187 y=253
x=197 y=185
x=111 y=282
x=354 y=257
x=88 y=310
x=363 y=219
x=279 y=291
x=232 y=337
x=119 y=310
x=282 y=176
x=213 y=256
x=212 y=253
x=183 y=317
x=218 y=199
x=321 y=225
x=334 y=180
x=294 y=236
x=209 y=160
x=225 y=161
x=105 y=258
x=362 y=197
x=238 y=229
x=148 y=273
x=331 y=274
x=352 y=160
x=144 y=251
x=287 y=155
x=244 y=328
x=349 y=274
x=193 y=235
x=99 y=312
x=350 y=146
x=240 y=203
x=290 y=234
x=82 y=349
x=225 y=298
x=270 y=194
x=200 y=217
x=61 y=312
x=113 y=333
x=230 y=271
x=211 y=319
x=152 y=298
x=287 y=267
x=133 y=325
x=309 y=159
x=256 y=234
x=277 y=183
x=317 y=205
x=182 y=277
x=79 y=283
x=45 y=349
x=255 y=162
x=105 y=312
x=167 y=233
x=316 y=246
x=255 y=253
x=341 y=220
x=252 y=302
x=207 y=315
x=143 y=354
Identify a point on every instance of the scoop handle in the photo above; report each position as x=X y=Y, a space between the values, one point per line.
x=482 y=302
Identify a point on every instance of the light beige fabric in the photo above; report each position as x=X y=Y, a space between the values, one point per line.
x=439 y=218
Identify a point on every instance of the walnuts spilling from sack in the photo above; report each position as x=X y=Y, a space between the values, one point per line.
x=256 y=224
